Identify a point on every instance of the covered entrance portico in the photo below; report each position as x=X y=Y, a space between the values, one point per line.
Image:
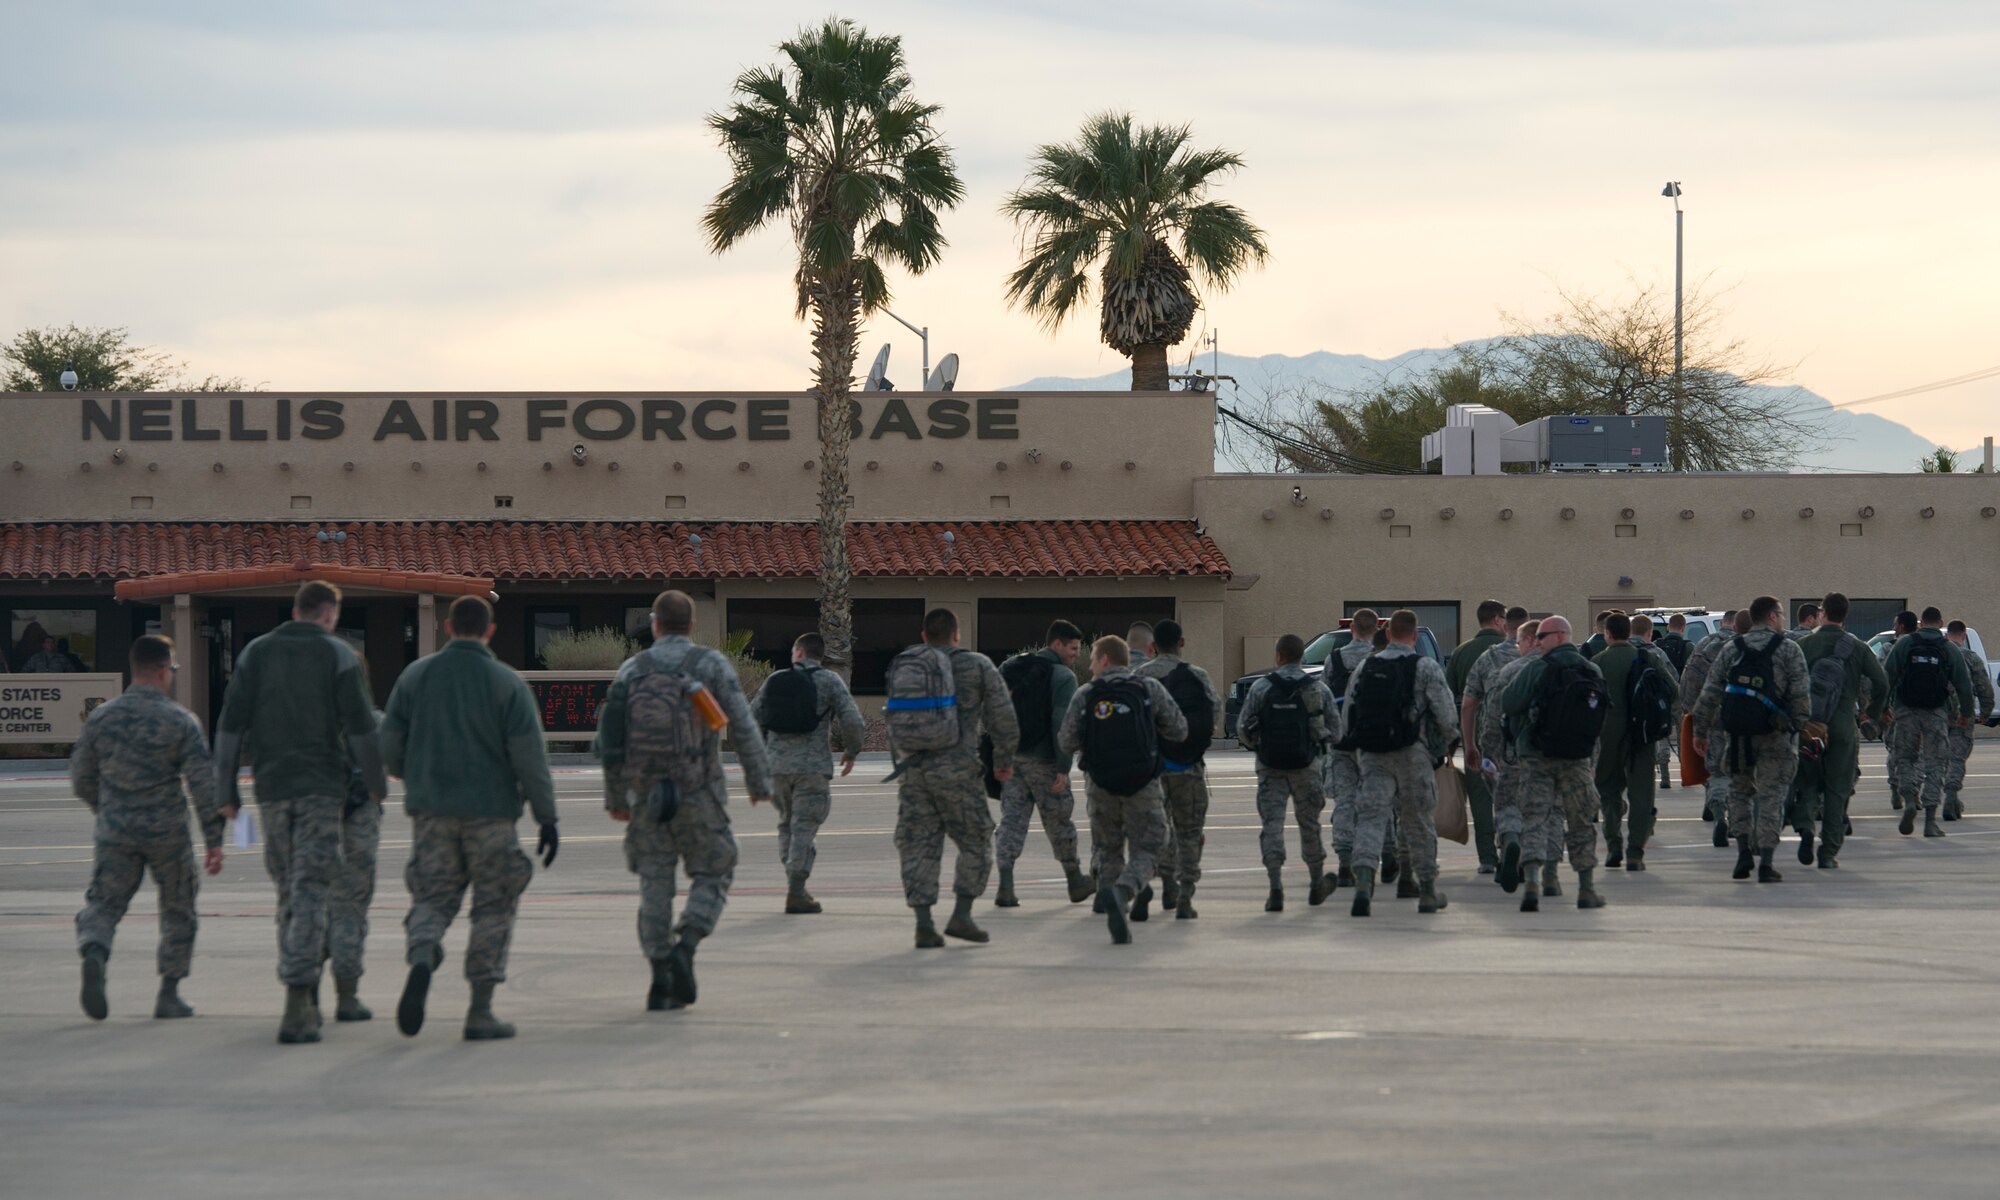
x=391 y=618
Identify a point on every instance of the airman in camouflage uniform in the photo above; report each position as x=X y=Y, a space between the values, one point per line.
x=1185 y=785
x=942 y=793
x=1302 y=785
x=1922 y=746
x=128 y=766
x=1960 y=736
x=1404 y=781
x=353 y=892
x=697 y=837
x=1701 y=660
x=802 y=767
x=1140 y=818
x=1486 y=742
x=1343 y=775
x=1761 y=766
x=1041 y=782
x=1552 y=788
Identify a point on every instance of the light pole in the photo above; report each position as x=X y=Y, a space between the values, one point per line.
x=924 y=335
x=1673 y=192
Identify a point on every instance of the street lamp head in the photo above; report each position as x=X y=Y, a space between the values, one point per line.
x=1673 y=189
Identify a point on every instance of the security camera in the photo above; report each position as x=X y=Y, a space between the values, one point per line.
x=578 y=453
x=68 y=379
x=1298 y=495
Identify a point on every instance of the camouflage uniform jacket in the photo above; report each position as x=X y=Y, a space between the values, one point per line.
x=676 y=653
x=1790 y=686
x=1162 y=665
x=1167 y=719
x=1982 y=680
x=812 y=753
x=1323 y=728
x=1700 y=661
x=129 y=764
x=1961 y=678
x=1433 y=708
x=1482 y=687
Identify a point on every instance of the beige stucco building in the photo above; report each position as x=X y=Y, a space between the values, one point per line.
x=1011 y=509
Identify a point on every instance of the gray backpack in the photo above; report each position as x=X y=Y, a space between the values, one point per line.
x=1828 y=680
x=665 y=739
x=922 y=709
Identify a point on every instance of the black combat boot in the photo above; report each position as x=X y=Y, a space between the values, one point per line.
x=1345 y=879
x=1828 y=861
x=1080 y=888
x=1766 y=873
x=1908 y=825
x=1390 y=867
x=1364 y=892
x=1006 y=898
x=660 y=997
x=1430 y=898
x=1142 y=904
x=1745 y=859
x=1805 y=845
x=1721 y=833
x=416 y=989
x=480 y=1023
x=1635 y=856
x=1510 y=864
x=1275 y=902
x=1170 y=894
x=169 y=1005
x=1322 y=887
x=680 y=968
x=1115 y=900
x=300 y=1024
x=1614 y=851
x=1531 y=887
x=1407 y=887
x=1931 y=826
x=1185 y=910
x=347 y=1004
x=1552 y=879
x=1586 y=895
x=94 y=1001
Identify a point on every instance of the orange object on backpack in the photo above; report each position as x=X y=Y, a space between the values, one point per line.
x=1694 y=767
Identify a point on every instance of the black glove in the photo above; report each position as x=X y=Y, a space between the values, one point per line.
x=548 y=845
x=1993 y=722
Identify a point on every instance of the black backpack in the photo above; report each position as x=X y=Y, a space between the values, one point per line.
x=791 y=700
x=1677 y=650
x=1336 y=674
x=1385 y=692
x=1926 y=678
x=1747 y=704
x=1027 y=677
x=1192 y=699
x=1828 y=679
x=1649 y=701
x=1570 y=710
x=1121 y=746
x=1284 y=725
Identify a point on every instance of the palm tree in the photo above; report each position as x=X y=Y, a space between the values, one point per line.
x=1118 y=194
x=832 y=140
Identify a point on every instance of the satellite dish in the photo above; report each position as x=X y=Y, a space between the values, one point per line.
x=945 y=377
x=877 y=378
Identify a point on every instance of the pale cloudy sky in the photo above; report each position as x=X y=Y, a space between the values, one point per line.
x=504 y=194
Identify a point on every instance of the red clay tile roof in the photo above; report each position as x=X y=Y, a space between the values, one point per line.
x=152 y=587
x=585 y=550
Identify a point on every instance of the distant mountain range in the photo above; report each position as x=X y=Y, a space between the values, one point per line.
x=1857 y=441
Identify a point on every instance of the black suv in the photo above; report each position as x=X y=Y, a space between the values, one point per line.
x=1317 y=652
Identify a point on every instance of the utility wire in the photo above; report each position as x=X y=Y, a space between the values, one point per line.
x=1332 y=458
x=1968 y=377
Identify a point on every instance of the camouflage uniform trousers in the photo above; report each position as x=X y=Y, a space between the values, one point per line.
x=120 y=868
x=1545 y=844
x=1186 y=794
x=803 y=800
x=1343 y=791
x=1560 y=790
x=1033 y=789
x=1760 y=786
x=1403 y=782
x=1961 y=754
x=447 y=854
x=1138 y=820
x=353 y=888
x=1302 y=788
x=940 y=795
x=1716 y=795
x=1920 y=756
x=302 y=853
x=697 y=838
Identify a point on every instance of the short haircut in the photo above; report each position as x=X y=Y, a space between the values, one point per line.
x=1955 y=627
x=812 y=645
x=1363 y=621
x=1167 y=636
x=1741 y=623
x=1062 y=631
x=1515 y=616
x=1728 y=616
x=1933 y=616
x=1291 y=648
x=1808 y=611
x=1603 y=617
x=1677 y=623
x=1402 y=623
x=1619 y=626
x=1489 y=609
x=314 y=597
x=1380 y=638
x=1834 y=607
x=939 y=625
x=1763 y=608
x=1906 y=621
x=1112 y=649
x=469 y=617
x=151 y=652
x=1532 y=627
x=1642 y=625
x=1137 y=630
x=673 y=611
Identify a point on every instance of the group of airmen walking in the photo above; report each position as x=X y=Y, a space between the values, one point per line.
x=1557 y=739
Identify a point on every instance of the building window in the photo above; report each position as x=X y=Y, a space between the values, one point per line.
x=53 y=640
x=1438 y=616
x=1009 y=626
x=543 y=624
x=881 y=629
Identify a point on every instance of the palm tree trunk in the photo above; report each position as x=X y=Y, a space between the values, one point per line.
x=836 y=341
x=1149 y=368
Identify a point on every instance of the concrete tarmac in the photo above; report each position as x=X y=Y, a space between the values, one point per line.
x=1831 y=1035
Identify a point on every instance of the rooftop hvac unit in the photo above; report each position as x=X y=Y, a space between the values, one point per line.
x=1604 y=443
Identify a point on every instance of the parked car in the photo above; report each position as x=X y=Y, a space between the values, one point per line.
x=1700 y=621
x=1317 y=652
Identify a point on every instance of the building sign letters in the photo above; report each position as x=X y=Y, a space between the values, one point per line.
x=51 y=708
x=879 y=416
